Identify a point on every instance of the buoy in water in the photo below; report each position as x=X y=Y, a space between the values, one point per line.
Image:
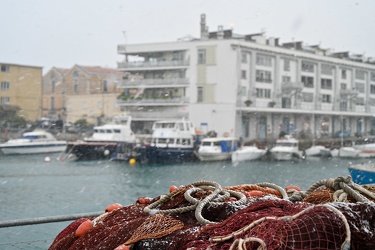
x=132 y=161
x=47 y=159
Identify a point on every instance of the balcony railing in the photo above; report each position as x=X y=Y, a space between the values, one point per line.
x=159 y=115
x=155 y=101
x=153 y=82
x=131 y=65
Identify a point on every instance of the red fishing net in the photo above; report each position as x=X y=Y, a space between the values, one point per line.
x=268 y=222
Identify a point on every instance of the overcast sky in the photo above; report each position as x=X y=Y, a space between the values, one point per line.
x=62 y=33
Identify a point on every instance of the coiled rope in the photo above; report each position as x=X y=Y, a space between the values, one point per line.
x=218 y=195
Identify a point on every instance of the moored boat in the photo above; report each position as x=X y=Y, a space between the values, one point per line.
x=366 y=147
x=35 y=142
x=171 y=141
x=315 y=150
x=362 y=173
x=349 y=152
x=286 y=148
x=105 y=140
x=217 y=148
x=248 y=153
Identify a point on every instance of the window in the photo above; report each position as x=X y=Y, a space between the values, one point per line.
x=326 y=98
x=200 y=94
x=343 y=74
x=4 y=68
x=243 y=91
x=244 y=57
x=264 y=60
x=360 y=87
x=263 y=76
x=286 y=103
x=263 y=93
x=75 y=74
x=286 y=79
x=360 y=75
x=343 y=106
x=343 y=85
x=53 y=85
x=201 y=56
x=105 y=86
x=307 y=66
x=286 y=65
x=5 y=85
x=327 y=69
x=372 y=89
x=52 y=106
x=360 y=101
x=75 y=85
x=308 y=81
x=307 y=97
x=243 y=74
x=326 y=83
x=373 y=76
x=5 y=100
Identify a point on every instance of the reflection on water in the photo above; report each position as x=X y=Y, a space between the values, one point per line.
x=32 y=188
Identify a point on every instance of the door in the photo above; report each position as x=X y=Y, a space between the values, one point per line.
x=262 y=127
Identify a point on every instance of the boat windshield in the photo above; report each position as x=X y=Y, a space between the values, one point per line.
x=30 y=137
x=287 y=144
x=165 y=125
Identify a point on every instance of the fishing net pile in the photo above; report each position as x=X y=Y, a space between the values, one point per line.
x=331 y=214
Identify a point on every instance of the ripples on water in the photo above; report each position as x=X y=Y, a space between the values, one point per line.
x=32 y=188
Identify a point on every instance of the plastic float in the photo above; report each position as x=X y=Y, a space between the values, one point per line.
x=331 y=214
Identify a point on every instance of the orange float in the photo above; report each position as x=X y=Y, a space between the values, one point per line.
x=84 y=227
x=112 y=207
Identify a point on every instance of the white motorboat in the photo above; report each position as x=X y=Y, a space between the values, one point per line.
x=314 y=150
x=106 y=141
x=248 y=153
x=286 y=148
x=217 y=148
x=35 y=142
x=348 y=152
x=366 y=147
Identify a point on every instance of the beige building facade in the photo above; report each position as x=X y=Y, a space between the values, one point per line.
x=21 y=85
x=82 y=92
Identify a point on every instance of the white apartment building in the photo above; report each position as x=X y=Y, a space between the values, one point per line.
x=248 y=86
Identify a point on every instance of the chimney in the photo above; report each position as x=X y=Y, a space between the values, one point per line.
x=204 y=28
x=220 y=32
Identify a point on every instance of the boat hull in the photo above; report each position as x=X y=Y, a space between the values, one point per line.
x=43 y=148
x=91 y=150
x=223 y=156
x=152 y=154
x=284 y=156
x=248 y=154
x=363 y=174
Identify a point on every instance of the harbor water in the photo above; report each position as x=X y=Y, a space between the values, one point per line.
x=32 y=187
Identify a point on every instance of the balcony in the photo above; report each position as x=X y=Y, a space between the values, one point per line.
x=288 y=87
x=159 y=115
x=348 y=92
x=173 y=82
x=176 y=101
x=152 y=65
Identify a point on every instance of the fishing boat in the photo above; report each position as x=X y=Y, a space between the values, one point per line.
x=171 y=141
x=286 y=148
x=248 y=153
x=35 y=142
x=105 y=140
x=362 y=173
x=217 y=149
